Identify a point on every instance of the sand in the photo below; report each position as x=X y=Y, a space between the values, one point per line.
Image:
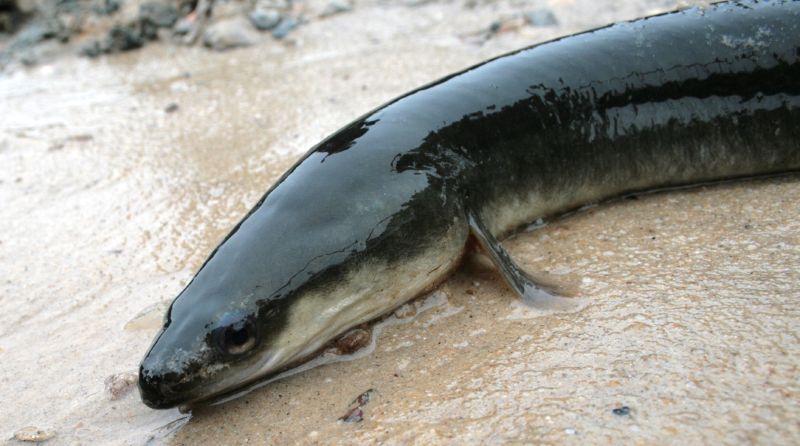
x=110 y=202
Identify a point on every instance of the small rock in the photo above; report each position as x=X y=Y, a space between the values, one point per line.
x=283 y=28
x=155 y=15
x=122 y=38
x=230 y=33
x=353 y=340
x=92 y=49
x=80 y=137
x=622 y=411
x=11 y=16
x=171 y=108
x=33 y=434
x=265 y=19
x=354 y=415
x=541 y=17
x=158 y=14
x=336 y=7
x=363 y=399
x=506 y=25
x=119 y=384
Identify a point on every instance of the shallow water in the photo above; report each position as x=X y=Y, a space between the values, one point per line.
x=110 y=203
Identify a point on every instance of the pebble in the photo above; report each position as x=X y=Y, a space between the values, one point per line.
x=622 y=411
x=158 y=14
x=33 y=434
x=354 y=414
x=230 y=33
x=283 y=28
x=265 y=19
x=353 y=340
x=119 y=384
x=120 y=38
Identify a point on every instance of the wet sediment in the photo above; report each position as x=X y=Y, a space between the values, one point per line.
x=118 y=176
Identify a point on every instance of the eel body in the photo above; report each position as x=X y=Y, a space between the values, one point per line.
x=383 y=209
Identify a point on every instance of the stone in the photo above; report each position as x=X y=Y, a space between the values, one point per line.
x=264 y=19
x=230 y=33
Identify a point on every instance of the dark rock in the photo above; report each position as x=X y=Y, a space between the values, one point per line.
x=11 y=17
x=354 y=413
x=541 y=17
x=155 y=15
x=186 y=6
x=264 y=19
x=283 y=28
x=171 y=108
x=158 y=14
x=363 y=399
x=123 y=38
x=622 y=411
x=91 y=49
x=120 y=38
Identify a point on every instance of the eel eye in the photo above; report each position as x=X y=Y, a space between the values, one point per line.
x=237 y=337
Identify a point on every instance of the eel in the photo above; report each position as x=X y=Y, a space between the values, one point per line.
x=385 y=208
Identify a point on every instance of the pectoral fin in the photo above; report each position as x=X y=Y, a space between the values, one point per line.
x=536 y=292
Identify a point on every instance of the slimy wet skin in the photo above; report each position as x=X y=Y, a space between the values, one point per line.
x=383 y=209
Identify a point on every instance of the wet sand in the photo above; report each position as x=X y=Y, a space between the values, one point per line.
x=110 y=202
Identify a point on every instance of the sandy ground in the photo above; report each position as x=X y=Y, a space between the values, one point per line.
x=110 y=202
